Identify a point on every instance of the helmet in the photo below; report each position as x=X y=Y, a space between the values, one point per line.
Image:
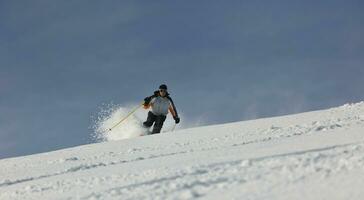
x=163 y=87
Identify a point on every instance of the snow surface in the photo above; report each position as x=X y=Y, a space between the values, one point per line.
x=313 y=155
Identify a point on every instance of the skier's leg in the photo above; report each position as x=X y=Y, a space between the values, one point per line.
x=150 y=119
x=158 y=124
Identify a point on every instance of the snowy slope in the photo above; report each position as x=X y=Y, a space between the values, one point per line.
x=314 y=155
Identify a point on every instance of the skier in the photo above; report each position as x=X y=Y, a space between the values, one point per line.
x=160 y=102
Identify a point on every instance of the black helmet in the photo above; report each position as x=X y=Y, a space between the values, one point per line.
x=163 y=87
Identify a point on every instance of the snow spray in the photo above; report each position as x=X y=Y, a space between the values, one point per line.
x=109 y=116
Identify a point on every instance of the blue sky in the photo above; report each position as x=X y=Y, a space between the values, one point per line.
x=223 y=61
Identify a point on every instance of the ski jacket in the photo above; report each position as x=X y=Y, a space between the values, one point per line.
x=161 y=105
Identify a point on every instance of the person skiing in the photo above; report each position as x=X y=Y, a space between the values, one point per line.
x=160 y=102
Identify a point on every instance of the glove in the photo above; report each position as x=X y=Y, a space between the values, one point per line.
x=176 y=119
x=147 y=100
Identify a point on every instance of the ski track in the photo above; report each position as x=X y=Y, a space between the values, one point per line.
x=198 y=180
x=193 y=181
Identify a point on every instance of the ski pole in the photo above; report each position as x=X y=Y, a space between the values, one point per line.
x=133 y=111
x=174 y=126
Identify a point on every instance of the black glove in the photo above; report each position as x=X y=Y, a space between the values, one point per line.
x=147 y=100
x=176 y=119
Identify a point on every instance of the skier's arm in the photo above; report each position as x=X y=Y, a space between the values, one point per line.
x=147 y=105
x=148 y=100
x=173 y=110
x=174 y=114
x=173 y=107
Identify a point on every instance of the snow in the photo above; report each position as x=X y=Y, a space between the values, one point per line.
x=110 y=116
x=313 y=155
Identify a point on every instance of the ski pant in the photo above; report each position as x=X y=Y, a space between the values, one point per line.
x=158 y=121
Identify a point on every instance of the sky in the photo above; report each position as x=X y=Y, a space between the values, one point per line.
x=223 y=61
